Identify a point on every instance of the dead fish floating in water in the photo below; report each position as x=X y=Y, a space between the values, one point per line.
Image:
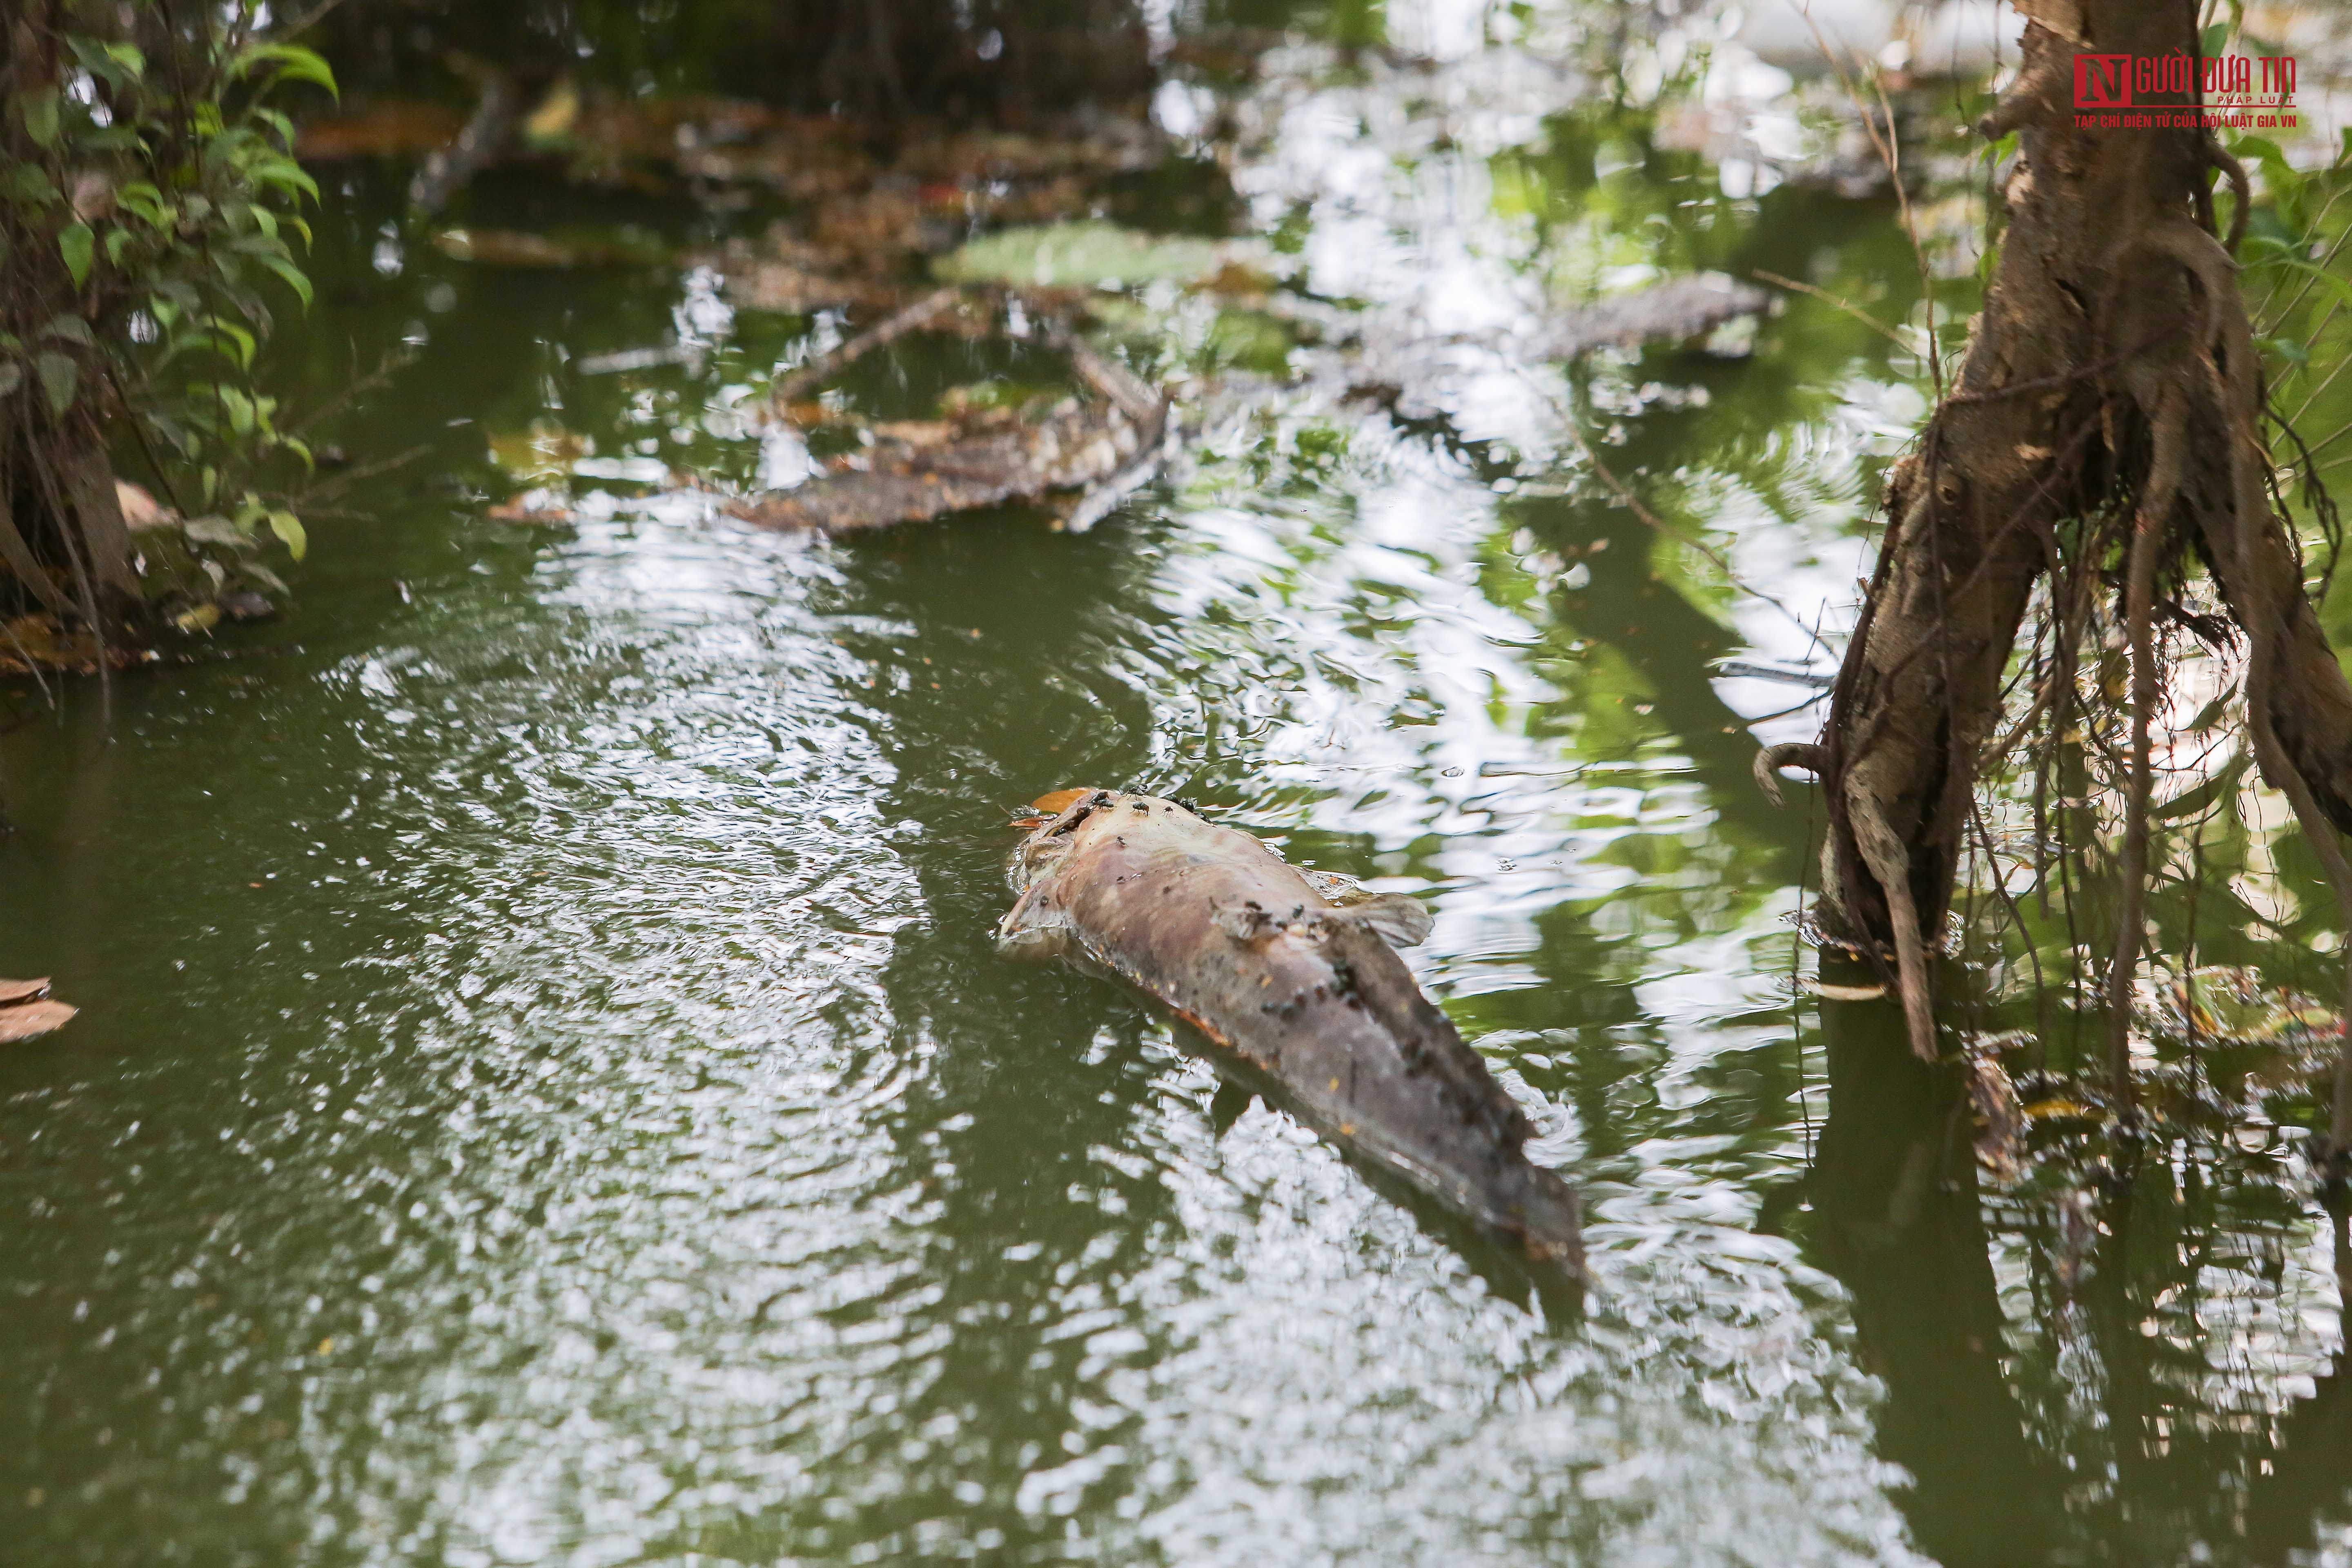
x=1253 y=953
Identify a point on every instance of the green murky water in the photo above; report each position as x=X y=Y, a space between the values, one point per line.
x=545 y=1093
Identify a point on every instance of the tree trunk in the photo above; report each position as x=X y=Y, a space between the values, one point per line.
x=2111 y=378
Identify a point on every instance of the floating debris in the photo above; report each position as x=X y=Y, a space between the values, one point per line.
x=520 y=248
x=1087 y=254
x=1680 y=311
x=27 y=1010
x=991 y=458
x=979 y=455
x=1308 y=991
x=2001 y=1135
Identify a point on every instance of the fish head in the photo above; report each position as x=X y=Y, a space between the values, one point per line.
x=1053 y=825
x=1064 y=820
x=1037 y=926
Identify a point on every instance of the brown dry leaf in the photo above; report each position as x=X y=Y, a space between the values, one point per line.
x=917 y=432
x=503 y=247
x=141 y=510
x=959 y=470
x=37 y=642
x=783 y=272
x=1238 y=280
x=27 y=1020
x=542 y=509
x=15 y=991
x=381 y=130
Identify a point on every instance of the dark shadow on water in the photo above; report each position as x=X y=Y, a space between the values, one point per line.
x=1898 y=1222
x=2082 y=1433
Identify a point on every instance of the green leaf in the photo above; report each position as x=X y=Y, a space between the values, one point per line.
x=2198 y=801
x=40 y=113
x=70 y=327
x=117 y=241
x=217 y=531
x=12 y=376
x=292 y=274
x=294 y=63
x=289 y=527
x=29 y=185
x=284 y=174
x=75 y=242
x=2215 y=38
x=144 y=202
x=120 y=64
x=59 y=378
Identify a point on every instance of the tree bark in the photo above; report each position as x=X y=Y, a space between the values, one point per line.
x=2111 y=375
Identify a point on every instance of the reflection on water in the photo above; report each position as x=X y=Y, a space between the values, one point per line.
x=545 y=1091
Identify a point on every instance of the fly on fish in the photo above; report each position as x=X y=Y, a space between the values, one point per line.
x=1294 y=973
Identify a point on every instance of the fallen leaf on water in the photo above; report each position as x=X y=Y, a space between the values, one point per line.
x=1088 y=253
x=898 y=479
x=2059 y=1110
x=516 y=247
x=26 y=1011
x=542 y=509
x=1830 y=993
x=388 y=128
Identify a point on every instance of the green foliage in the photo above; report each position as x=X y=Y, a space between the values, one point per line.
x=150 y=216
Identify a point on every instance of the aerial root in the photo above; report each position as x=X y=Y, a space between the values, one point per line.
x=2263 y=599
x=1802 y=755
x=2235 y=172
x=2154 y=514
x=1883 y=853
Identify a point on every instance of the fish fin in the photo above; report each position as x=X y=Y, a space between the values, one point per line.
x=1339 y=888
x=1399 y=919
x=1246 y=924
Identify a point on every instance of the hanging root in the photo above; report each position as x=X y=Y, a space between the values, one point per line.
x=2242 y=207
x=1883 y=855
x=2149 y=533
x=2265 y=594
x=1769 y=762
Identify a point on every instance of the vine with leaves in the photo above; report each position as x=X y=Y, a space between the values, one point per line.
x=151 y=222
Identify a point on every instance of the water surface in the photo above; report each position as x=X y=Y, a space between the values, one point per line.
x=545 y=1092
